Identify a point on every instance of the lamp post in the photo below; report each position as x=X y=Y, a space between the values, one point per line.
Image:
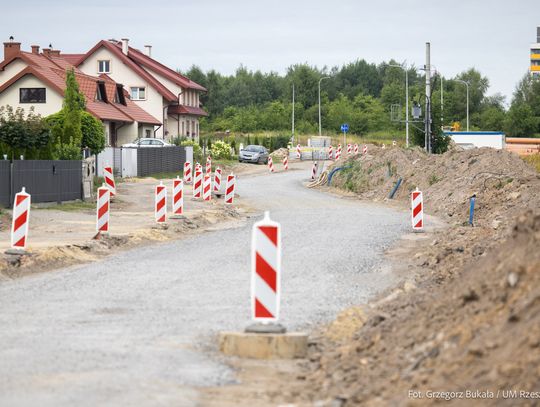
x=406 y=102
x=467 y=85
x=292 y=113
x=320 y=125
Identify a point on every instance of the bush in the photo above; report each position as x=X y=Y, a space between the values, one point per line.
x=197 y=150
x=221 y=150
x=93 y=134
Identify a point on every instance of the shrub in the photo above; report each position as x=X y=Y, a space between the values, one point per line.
x=197 y=150
x=221 y=150
x=93 y=134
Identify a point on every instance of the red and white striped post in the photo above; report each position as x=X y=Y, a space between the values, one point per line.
x=217 y=179
x=207 y=187
x=103 y=207
x=160 y=208
x=198 y=166
x=208 y=165
x=364 y=150
x=229 y=190
x=21 y=218
x=349 y=149
x=330 y=152
x=270 y=164
x=197 y=184
x=338 y=152
x=356 y=149
x=109 y=179
x=314 y=170
x=298 y=152
x=286 y=163
x=178 y=197
x=417 y=210
x=187 y=172
x=265 y=270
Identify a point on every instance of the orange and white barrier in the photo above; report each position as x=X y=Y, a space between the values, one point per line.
x=109 y=179
x=356 y=149
x=197 y=184
x=198 y=166
x=314 y=170
x=270 y=164
x=417 y=210
x=217 y=179
x=364 y=150
x=265 y=270
x=207 y=187
x=187 y=172
x=102 y=211
x=338 y=152
x=229 y=190
x=21 y=218
x=178 y=197
x=349 y=149
x=208 y=165
x=298 y=152
x=286 y=163
x=330 y=152
x=160 y=209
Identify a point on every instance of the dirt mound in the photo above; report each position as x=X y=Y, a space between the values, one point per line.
x=280 y=154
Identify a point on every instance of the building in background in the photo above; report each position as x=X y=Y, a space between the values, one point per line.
x=535 y=56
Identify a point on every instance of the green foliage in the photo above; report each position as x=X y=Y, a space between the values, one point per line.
x=93 y=134
x=221 y=150
x=28 y=135
x=197 y=149
x=520 y=121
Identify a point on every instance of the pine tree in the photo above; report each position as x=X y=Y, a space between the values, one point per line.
x=69 y=144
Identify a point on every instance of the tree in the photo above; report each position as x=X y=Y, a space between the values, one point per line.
x=520 y=121
x=93 y=134
x=68 y=144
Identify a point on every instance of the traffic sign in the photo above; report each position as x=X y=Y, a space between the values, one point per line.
x=345 y=128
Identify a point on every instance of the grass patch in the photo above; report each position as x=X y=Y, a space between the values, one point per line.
x=433 y=179
x=534 y=160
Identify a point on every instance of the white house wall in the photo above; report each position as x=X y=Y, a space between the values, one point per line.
x=124 y=75
x=10 y=96
x=127 y=133
x=11 y=70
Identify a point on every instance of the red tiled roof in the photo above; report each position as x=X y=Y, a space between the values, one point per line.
x=162 y=90
x=181 y=109
x=71 y=58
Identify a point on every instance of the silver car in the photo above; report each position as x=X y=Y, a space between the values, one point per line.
x=254 y=154
x=147 y=142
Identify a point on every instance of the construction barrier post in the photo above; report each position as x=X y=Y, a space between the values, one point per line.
x=208 y=165
x=197 y=184
x=178 y=197
x=286 y=163
x=417 y=210
x=187 y=172
x=314 y=170
x=355 y=149
x=364 y=150
x=207 y=187
x=109 y=179
x=270 y=164
x=161 y=203
x=229 y=190
x=217 y=179
x=102 y=209
x=21 y=219
x=330 y=152
x=265 y=270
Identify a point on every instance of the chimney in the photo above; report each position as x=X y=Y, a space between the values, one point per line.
x=125 y=45
x=47 y=52
x=55 y=52
x=11 y=48
x=148 y=50
x=35 y=49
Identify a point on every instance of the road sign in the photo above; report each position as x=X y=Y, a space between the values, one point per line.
x=345 y=128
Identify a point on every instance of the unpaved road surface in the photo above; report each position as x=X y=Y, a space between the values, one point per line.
x=135 y=329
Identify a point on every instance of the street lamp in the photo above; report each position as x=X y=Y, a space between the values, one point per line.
x=320 y=126
x=406 y=102
x=467 y=85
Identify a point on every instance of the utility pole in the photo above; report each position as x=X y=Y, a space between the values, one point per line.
x=293 y=113
x=442 y=101
x=428 y=100
x=467 y=86
x=320 y=126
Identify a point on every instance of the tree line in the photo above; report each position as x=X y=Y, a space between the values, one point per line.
x=361 y=94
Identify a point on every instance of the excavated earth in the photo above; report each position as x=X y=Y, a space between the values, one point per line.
x=464 y=326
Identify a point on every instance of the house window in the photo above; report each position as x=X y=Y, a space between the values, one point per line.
x=104 y=66
x=138 y=93
x=101 y=93
x=32 y=95
x=119 y=95
x=148 y=133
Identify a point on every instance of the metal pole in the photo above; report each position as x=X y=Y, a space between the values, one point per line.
x=428 y=94
x=320 y=126
x=293 y=113
x=442 y=102
x=466 y=86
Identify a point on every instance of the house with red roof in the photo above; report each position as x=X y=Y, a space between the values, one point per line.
x=37 y=79
x=161 y=91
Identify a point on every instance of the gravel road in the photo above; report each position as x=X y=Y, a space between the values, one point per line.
x=132 y=329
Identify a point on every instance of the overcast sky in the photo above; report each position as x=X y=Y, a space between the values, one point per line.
x=492 y=36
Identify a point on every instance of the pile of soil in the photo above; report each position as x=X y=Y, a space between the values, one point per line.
x=467 y=319
x=280 y=154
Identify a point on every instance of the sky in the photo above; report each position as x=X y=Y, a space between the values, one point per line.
x=491 y=36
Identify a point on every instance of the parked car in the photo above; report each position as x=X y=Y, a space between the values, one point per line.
x=147 y=142
x=253 y=154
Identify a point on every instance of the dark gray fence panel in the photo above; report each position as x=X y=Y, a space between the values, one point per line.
x=163 y=159
x=5 y=183
x=48 y=180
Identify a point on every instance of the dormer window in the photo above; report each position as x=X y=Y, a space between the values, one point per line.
x=101 y=92
x=138 y=93
x=119 y=95
x=104 y=66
